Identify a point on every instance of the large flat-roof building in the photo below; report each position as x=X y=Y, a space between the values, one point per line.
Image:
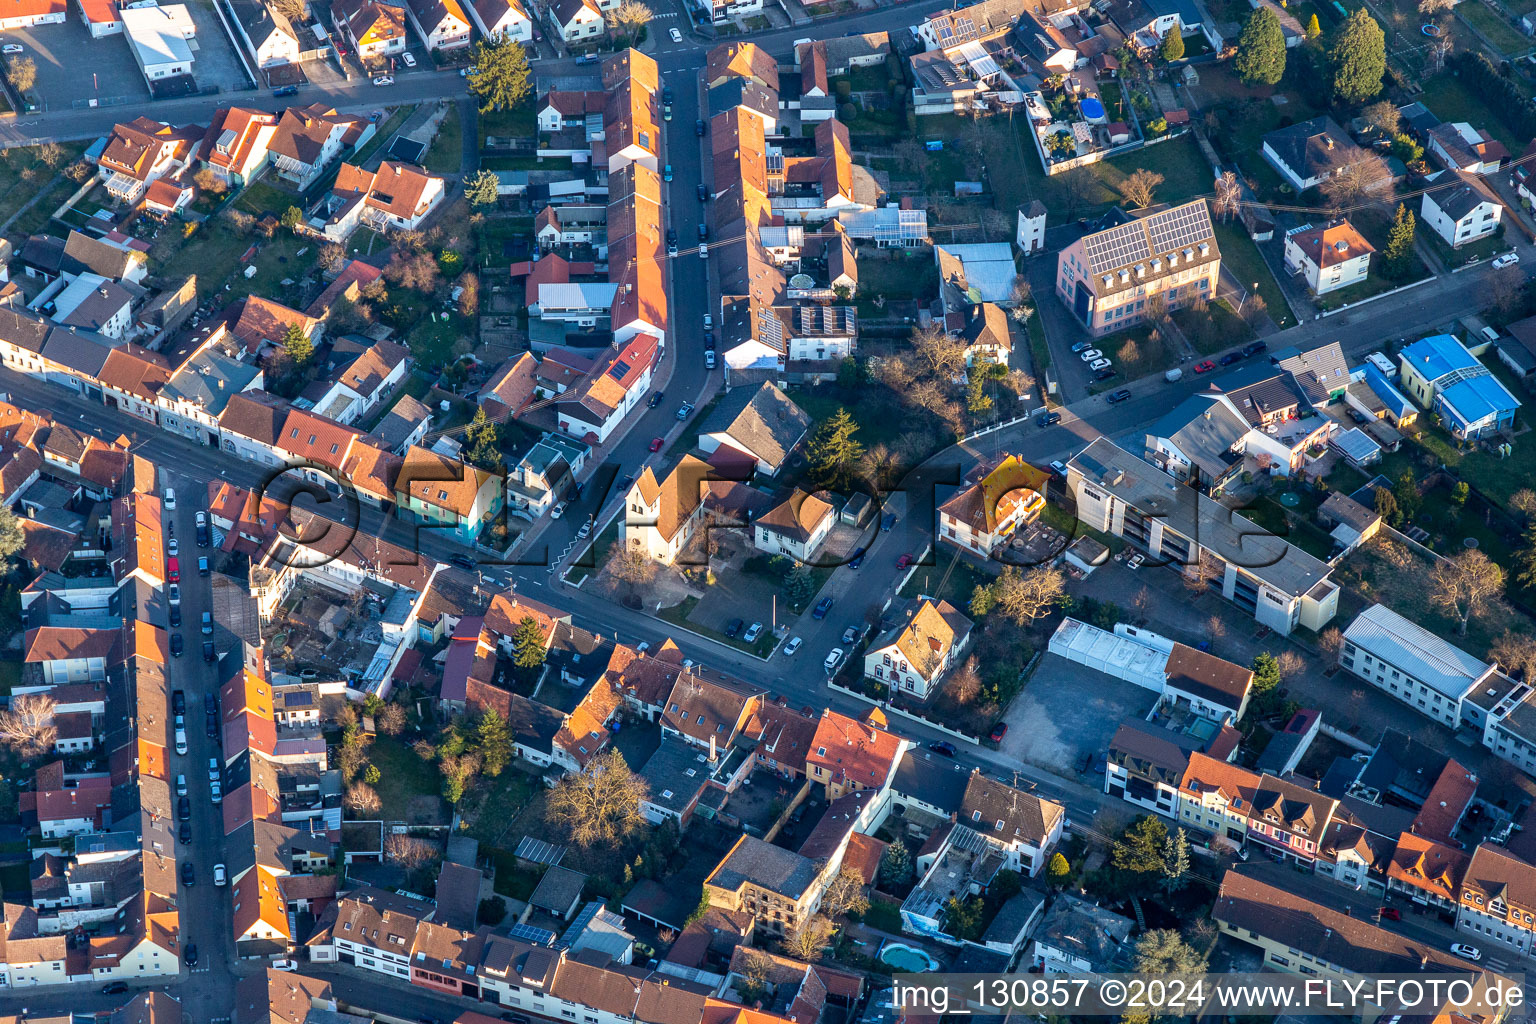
x=1277 y=583
x=1412 y=664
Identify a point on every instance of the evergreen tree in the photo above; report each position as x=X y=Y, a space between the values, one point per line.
x=1386 y=507
x=1175 y=861
x=1058 y=872
x=291 y=217
x=1266 y=673
x=1313 y=28
x=1525 y=559
x=1398 y=253
x=1140 y=849
x=833 y=452
x=494 y=741
x=896 y=864
x=300 y=349
x=528 y=644
x=501 y=76
x=484 y=439
x=481 y=189
x=1260 y=56
x=1172 y=47
x=1357 y=59
x=799 y=585
x=12 y=538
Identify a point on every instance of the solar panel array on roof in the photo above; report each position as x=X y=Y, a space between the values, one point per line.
x=1116 y=247
x=1168 y=231
x=1180 y=227
x=618 y=370
x=297 y=700
x=529 y=933
x=537 y=851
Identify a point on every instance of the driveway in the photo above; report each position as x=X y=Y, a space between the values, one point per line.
x=216 y=62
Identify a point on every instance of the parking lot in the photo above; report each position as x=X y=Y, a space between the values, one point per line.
x=217 y=63
x=73 y=68
x=1067 y=710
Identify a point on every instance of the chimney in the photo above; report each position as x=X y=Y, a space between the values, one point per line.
x=1328 y=141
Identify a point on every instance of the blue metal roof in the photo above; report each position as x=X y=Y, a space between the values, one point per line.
x=1392 y=398
x=1437 y=355
x=1478 y=399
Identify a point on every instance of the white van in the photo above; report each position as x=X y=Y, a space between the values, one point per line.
x=170 y=499
x=1173 y=375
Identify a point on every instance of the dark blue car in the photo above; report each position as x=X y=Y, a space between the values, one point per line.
x=822 y=607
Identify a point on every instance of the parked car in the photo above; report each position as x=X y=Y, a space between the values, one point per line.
x=190 y=954
x=178 y=702
x=175 y=615
x=174 y=592
x=792 y=646
x=685 y=410
x=188 y=873
x=285 y=90
x=998 y=732
x=703 y=251
x=657 y=444
x=834 y=657
x=851 y=635
x=666 y=172
x=1048 y=419
x=1390 y=914
x=184 y=833
x=698 y=128
x=202 y=529
x=463 y=562
x=1205 y=366
x=585 y=531
x=1089 y=355
x=213 y=769
x=857 y=559
x=202 y=565
x=1509 y=259
x=1230 y=358
x=184 y=809
x=114 y=988
x=887 y=521
x=1116 y=397
x=903 y=561
x=1253 y=348
x=1357 y=416
x=1099 y=364
x=207 y=626
x=177 y=645
x=409 y=59
x=1102 y=375
x=181 y=785
x=703 y=192
x=709 y=359
x=942 y=747
x=709 y=341
x=674 y=34
x=558 y=510
x=173 y=546
x=733 y=628
x=753 y=632
x=1059 y=468
x=173 y=569
x=1135 y=561
x=655 y=399
x=1082 y=346
x=1469 y=952
x=822 y=607
x=384 y=80
x=220 y=878
x=666 y=112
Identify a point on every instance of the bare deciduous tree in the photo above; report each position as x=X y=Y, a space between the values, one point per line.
x=965 y=682
x=1021 y=596
x=1201 y=573
x=810 y=940
x=1516 y=653
x=1290 y=664
x=1523 y=501
x=409 y=851
x=391 y=720
x=1464 y=585
x=1140 y=187
x=22 y=74
x=845 y=895
x=1383 y=116
x=27 y=727
x=632 y=567
x=1360 y=180
x=1331 y=642
x=1229 y=195
x=600 y=805
x=363 y=800
x=1216 y=627
x=1433 y=7
x=632 y=15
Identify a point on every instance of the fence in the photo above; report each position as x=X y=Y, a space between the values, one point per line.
x=892 y=709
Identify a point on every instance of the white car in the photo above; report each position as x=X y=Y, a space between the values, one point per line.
x=675 y=35
x=285 y=965
x=13 y=48
x=170 y=499
x=792 y=646
x=557 y=511
x=1099 y=364
x=1509 y=259
x=703 y=251
x=173 y=547
x=1136 y=560
x=753 y=632
x=1090 y=355
x=384 y=80
x=221 y=878
x=833 y=659
x=409 y=59
x=585 y=531
x=1469 y=952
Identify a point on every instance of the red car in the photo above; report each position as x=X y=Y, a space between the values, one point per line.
x=656 y=444
x=903 y=561
x=174 y=568
x=1390 y=914
x=1205 y=367
x=999 y=731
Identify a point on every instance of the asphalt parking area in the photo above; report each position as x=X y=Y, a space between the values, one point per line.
x=73 y=68
x=1067 y=710
x=215 y=61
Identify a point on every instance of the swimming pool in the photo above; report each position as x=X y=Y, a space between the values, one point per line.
x=1093 y=110
x=907 y=958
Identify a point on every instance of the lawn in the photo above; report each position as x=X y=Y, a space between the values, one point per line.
x=952 y=579
x=10 y=675
x=512 y=880
x=260 y=198
x=409 y=788
x=280 y=262
x=23 y=173
x=1494 y=27
x=895 y=278
x=519 y=122
x=36 y=217
x=1220 y=328
x=447 y=152
x=1471 y=252
x=1268 y=514
x=497 y=803
x=1186 y=173
x=821 y=403
x=1450 y=100
x=1241 y=256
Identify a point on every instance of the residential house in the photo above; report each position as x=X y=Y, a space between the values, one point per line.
x=396 y=197
x=760 y=422
x=1309 y=152
x=27 y=13
x=1200 y=442
x=848 y=754
x=442 y=492
x=1022 y=824
x=1078 y=937
x=1464 y=149
x=1461 y=214
x=139 y=152
x=1278 y=583
x=708 y=713
x=559 y=109
x=308 y=138
x=575 y=21
x=992 y=505
x=795 y=528
x=1412 y=664
x=596 y=405
x=1145 y=767
x=441 y=24
x=1442 y=376
x=161 y=41
x=1322 y=372
x=375 y=29
x=545 y=475
x=1328 y=258
x=1497 y=900
x=505 y=18
x=912 y=656
x=1105 y=278
x=269 y=36
x=778 y=887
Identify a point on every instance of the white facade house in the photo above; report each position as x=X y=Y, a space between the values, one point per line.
x=796 y=528
x=1030 y=237
x=913 y=655
x=506 y=18
x=1461 y=214
x=1328 y=258
x=1412 y=664
x=441 y=24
